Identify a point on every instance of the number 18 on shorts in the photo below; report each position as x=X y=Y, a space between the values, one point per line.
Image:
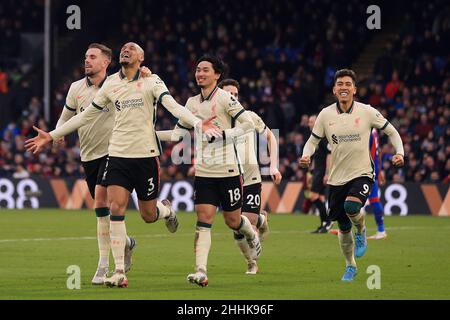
x=220 y=192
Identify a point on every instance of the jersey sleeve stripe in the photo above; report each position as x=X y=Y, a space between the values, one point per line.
x=238 y=114
x=97 y=106
x=162 y=95
x=316 y=136
x=182 y=127
x=385 y=125
x=69 y=108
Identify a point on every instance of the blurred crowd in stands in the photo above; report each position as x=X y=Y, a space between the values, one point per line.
x=283 y=53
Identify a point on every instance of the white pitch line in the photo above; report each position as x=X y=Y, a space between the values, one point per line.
x=162 y=235
x=157 y=235
x=76 y=238
x=47 y=239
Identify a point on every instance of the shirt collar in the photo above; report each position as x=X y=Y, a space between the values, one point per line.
x=209 y=97
x=89 y=83
x=349 y=110
x=136 y=76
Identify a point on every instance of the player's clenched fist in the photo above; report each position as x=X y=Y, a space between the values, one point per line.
x=398 y=160
x=145 y=72
x=276 y=175
x=305 y=161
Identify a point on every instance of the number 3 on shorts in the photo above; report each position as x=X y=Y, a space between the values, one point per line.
x=151 y=186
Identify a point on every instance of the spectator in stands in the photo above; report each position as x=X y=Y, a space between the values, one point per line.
x=20 y=172
x=284 y=72
x=393 y=86
x=423 y=127
x=3 y=82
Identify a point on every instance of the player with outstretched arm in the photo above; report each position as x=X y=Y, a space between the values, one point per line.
x=133 y=148
x=218 y=174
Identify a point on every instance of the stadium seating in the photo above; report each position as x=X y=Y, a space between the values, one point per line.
x=283 y=56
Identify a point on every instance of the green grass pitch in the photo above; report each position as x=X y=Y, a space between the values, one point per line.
x=37 y=246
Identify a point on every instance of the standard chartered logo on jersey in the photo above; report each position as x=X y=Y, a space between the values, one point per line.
x=131 y=103
x=348 y=138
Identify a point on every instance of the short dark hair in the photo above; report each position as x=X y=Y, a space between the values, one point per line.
x=345 y=73
x=229 y=82
x=104 y=49
x=218 y=65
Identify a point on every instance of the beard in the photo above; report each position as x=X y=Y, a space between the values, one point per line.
x=124 y=63
x=90 y=73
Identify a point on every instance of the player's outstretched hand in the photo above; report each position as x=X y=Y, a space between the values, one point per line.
x=305 y=161
x=398 y=160
x=36 y=144
x=146 y=72
x=276 y=175
x=210 y=129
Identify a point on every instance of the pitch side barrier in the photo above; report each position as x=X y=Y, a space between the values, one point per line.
x=287 y=198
